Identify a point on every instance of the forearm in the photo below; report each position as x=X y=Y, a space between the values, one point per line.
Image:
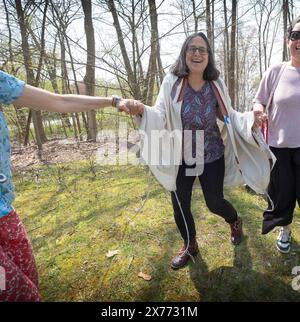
x=39 y=99
x=80 y=103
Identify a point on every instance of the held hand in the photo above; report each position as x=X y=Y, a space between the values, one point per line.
x=122 y=106
x=259 y=115
x=131 y=107
x=259 y=118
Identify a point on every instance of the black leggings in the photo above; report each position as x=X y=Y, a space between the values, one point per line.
x=211 y=181
x=284 y=188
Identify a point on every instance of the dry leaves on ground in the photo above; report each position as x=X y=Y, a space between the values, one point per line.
x=146 y=277
x=112 y=253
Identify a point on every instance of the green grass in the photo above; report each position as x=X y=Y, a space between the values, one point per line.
x=74 y=218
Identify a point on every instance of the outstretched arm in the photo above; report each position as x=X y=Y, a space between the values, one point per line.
x=40 y=99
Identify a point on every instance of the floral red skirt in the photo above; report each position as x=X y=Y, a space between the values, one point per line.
x=18 y=272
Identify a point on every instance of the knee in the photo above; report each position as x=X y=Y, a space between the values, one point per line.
x=215 y=204
x=183 y=201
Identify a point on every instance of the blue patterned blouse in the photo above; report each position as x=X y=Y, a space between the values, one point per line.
x=199 y=112
x=10 y=90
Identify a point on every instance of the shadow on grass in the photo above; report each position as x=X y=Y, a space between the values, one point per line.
x=240 y=282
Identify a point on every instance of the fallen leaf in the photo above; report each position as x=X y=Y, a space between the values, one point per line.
x=112 y=253
x=146 y=277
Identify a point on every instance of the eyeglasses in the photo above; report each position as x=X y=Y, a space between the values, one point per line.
x=192 y=50
x=294 y=35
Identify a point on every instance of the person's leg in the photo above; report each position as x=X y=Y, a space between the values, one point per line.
x=17 y=286
x=296 y=164
x=284 y=238
x=181 y=201
x=18 y=256
x=282 y=191
x=184 y=185
x=211 y=182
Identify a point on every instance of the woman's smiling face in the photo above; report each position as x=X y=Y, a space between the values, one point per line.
x=197 y=55
x=294 y=45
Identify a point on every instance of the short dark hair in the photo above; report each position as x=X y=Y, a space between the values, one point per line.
x=291 y=27
x=180 y=67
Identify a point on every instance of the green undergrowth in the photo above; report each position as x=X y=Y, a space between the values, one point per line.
x=76 y=213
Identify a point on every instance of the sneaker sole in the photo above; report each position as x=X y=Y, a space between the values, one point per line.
x=283 y=251
x=176 y=268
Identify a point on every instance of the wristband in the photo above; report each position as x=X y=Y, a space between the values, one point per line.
x=116 y=101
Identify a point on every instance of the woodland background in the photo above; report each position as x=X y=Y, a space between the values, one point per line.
x=107 y=233
x=126 y=47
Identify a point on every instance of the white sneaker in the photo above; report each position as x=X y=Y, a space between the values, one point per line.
x=284 y=238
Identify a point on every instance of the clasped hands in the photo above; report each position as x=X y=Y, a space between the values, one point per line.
x=132 y=107
x=259 y=115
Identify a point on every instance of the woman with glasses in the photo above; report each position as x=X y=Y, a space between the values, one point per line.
x=283 y=137
x=182 y=140
x=18 y=273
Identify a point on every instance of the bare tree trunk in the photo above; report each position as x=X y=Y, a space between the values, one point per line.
x=51 y=68
x=38 y=73
x=36 y=115
x=237 y=74
x=150 y=79
x=65 y=83
x=226 y=52
x=231 y=84
x=89 y=78
x=208 y=22
x=159 y=67
x=9 y=38
x=195 y=16
x=285 y=14
x=76 y=125
x=259 y=41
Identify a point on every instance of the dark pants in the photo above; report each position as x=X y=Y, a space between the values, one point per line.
x=284 y=188
x=211 y=181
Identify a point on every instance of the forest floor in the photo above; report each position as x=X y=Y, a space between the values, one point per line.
x=107 y=233
x=53 y=152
